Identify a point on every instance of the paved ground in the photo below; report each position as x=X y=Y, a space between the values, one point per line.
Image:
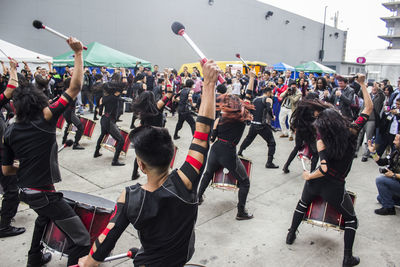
x=221 y=240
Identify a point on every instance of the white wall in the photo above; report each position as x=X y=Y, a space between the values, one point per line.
x=142 y=28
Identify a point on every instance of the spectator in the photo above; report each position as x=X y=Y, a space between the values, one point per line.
x=290 y=98
x=378 y=98
x=342 y=97
x=388 y=184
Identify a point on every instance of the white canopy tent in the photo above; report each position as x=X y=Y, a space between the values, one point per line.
x=21 y=54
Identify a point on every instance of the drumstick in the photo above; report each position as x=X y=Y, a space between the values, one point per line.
x=304 y=165
x=130 y=254
x=244 y=62
x=179 y=29
x=39 y=25
x=10 y=58
x=69 y=142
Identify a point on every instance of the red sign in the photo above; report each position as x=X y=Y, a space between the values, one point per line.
x=361 y=60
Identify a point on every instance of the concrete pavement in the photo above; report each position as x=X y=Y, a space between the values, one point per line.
x=220 y=239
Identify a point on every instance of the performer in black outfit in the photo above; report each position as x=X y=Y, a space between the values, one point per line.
x=32 y=140
x=259 y=125
x=336 y=147
x=184 y=114
x=97 y=93
x=229 y=129
x=138 y=87
x=9 y=205
x=150 y=113
x=164 y=210
x=111 y=101
x=301 y=123
x=71 y=118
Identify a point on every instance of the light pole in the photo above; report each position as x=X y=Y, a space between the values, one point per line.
x=322 y=52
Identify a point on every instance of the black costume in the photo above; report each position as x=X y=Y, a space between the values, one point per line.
x=157 y=120
x=137 y=90
x=184 y=113
x=108 y=126
x=71 y=118
x=34 y=144
x=260 y=126
x=165 y=218
x=97 y=95
x=9 y=205
x=331 y=187
x=223 y=154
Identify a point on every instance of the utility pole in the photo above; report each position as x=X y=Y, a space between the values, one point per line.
x=322 y=52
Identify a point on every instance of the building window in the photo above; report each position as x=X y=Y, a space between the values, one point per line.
x=390 y=31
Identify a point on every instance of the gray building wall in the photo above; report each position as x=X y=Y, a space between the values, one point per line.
x=142 y=29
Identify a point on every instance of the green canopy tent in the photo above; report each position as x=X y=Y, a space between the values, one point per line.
x=313 y=66
x=98 y=55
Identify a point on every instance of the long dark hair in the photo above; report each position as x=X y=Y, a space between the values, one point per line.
x=334 y=131
x=303 y=118
x=324 y=84
x=145 y=105
x=233 y=109
x=29 y=103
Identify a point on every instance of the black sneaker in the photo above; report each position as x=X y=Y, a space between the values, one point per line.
x=11 y=231
x=95 y=118
x=243 y=215
x=386 y=211
x=285 y=170
x=271 y=166
x=364 y=159
x=97 y=154
x=117 y=163
x=135 y=176
x=240 y=153
x=201 y=200
x=291 y=236
x=77 y=147
x=38 y=260
x=176 y=137
x=350 y=261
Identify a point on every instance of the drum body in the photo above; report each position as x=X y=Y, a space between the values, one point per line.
x=60 y=122
x=95 y=213
x=88 y=127
x=223 y=179
x=320 y=213
x=109 y=142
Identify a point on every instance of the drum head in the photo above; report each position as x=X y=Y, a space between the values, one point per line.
x=87 y=199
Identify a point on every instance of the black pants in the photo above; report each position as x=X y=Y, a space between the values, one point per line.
x=297 y=147
x=87 y=97
x=224 y=155
x=335 y=194
x=108 y=126
x=97 y=100
x=387 y=141
x=266 y=133
x=71 y=118
x=182 y=117
x=9 y=205
x=51 y=206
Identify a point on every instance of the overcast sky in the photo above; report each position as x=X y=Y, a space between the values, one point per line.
x=360 y=17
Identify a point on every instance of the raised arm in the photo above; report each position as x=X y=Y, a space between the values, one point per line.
x=168 y=96
x=12 y=83
x=368 y=105
x=191 y=170
x=75 y=85
x=250 y=87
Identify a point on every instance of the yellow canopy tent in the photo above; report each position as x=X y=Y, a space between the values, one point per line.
x=257 y=65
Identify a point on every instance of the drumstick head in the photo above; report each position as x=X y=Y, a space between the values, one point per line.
x=238 y=55
x=37 y=24
x=225 y=171
x=178 y=28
